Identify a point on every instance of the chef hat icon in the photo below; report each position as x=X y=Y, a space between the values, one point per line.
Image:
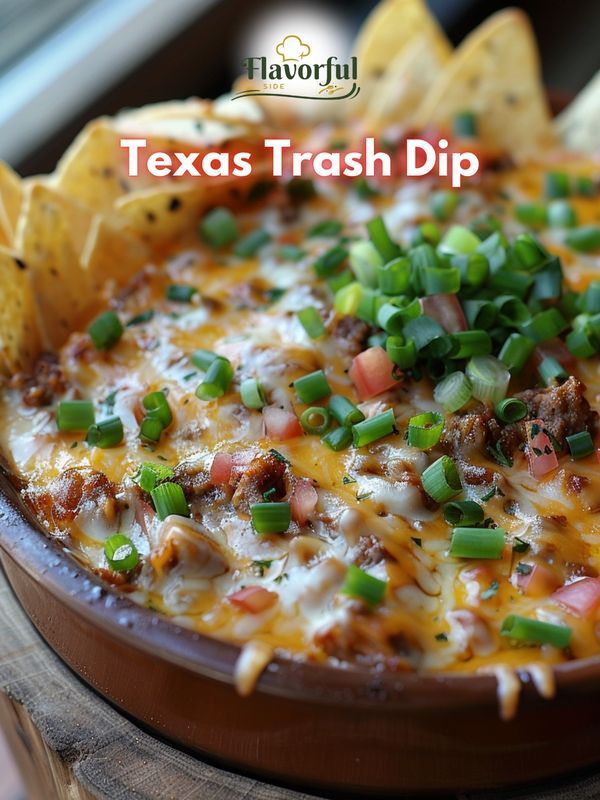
x=292 y=48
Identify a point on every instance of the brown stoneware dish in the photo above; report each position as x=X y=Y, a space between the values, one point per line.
x=313 y=726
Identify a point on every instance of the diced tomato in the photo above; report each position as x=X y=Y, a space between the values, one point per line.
x=540 y=451
x=540 y=582
x=371 y=373
x=581 y=597
x=303 y=500
x=220 y=470
x=281 y=424
x=553 y=348
x=253 y=599
x=445 y=309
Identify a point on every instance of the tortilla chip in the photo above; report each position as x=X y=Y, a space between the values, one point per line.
x=495 y=73
x=162 y=215
x=19 y=331
x=112 y=253
x=579 y=124
x=11 y=197
x=92 y=170
x=51 y=236
x=391 y=27
x=406 y=80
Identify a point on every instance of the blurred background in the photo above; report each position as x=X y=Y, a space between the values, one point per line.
x=63 y=62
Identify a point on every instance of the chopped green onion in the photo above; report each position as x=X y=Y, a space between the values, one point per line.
x=477 y=543
x=533 y=214
x=443 y=204
x=329 y=261
x=340 y=279
x=548 y=282
x=107 y=433
x=150 y=474
x=423 y=330
x=512 y=311
x=529 y=252
x=534 y=631
x=391 y=318
x=216 y=381
x=327 y=227
x=556 y=184
x=271 y=517
x=219 y=227
x=365 y=262
x=402 y=353
x=394 y=277
x=545 y=325
x=425 y=430
x=494 y=249
x=75 y=415
x=121 y=553
x=427 y=232
x=312 y=387
x=441 y=480
x=580 y=444
x=515 y=352
x=561 y=214
x=511 y=409
x=250 y=244
x=584 y=186
x=470 y=343
x=203 y=359
x=364 y=189
x=315 y=420
x=440 y=280
x=453 y=392
x=252 y=394
x=463 y=512
x=590 y=299
x=480 y=314
x=157 y=407
x=348 y=298
x=151 y=429
x=459 y=239
x=338 y=439
x=291 y=252
x=168 y=498
x=343 y=411
x=584 y=239
x=180 y=293
x=582 y=343
x=378 y=234
x=465 y=125
x=139 y=319
x=489 y=378
x=551 y=370
x=374 y=428
x=106 y=330
x=311 y=321
x=360 y=584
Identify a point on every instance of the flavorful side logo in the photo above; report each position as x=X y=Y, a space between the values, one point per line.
x=295 y=76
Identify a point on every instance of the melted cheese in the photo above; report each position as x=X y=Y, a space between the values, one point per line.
x=435 y=615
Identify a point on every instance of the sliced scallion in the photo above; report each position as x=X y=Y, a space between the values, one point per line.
x=359 y=583
x=219 y=227
x=216 y=381
x=511 y=409
x=489 y=378
x=312 y=387
x=378 y=234
x=311 y=321
x=106 y=330
x=271 y=517
x=75 y=415
x=338 y=439
x=463 y=513
x=315 y=420
x=425 y=430
x=344 y=411
x=107 y=433
x=477 y=543
x=580 y=444
x=534 y=631
x=121 y=553
x=441 y=480
x=252 y=394
x=250 y=244
x=453 y=392
x=168 y=498
x=374 y=428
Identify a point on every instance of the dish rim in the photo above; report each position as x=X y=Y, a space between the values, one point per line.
x=46 y=561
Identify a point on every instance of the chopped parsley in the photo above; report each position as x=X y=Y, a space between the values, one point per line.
x=139 y=319
x=347 y=479
x=279 y=456
x=492 y=589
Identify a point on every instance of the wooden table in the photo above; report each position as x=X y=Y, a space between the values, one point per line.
x=72 y=745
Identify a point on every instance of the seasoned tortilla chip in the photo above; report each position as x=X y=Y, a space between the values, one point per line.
x=495 y=73
x=162 y=215
x=391 y=27
x=406 y=80
x=51 y=236
x=112 y=253
x=579 y=124
x=19 y=330
x=92 y=170
x=11 y=198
